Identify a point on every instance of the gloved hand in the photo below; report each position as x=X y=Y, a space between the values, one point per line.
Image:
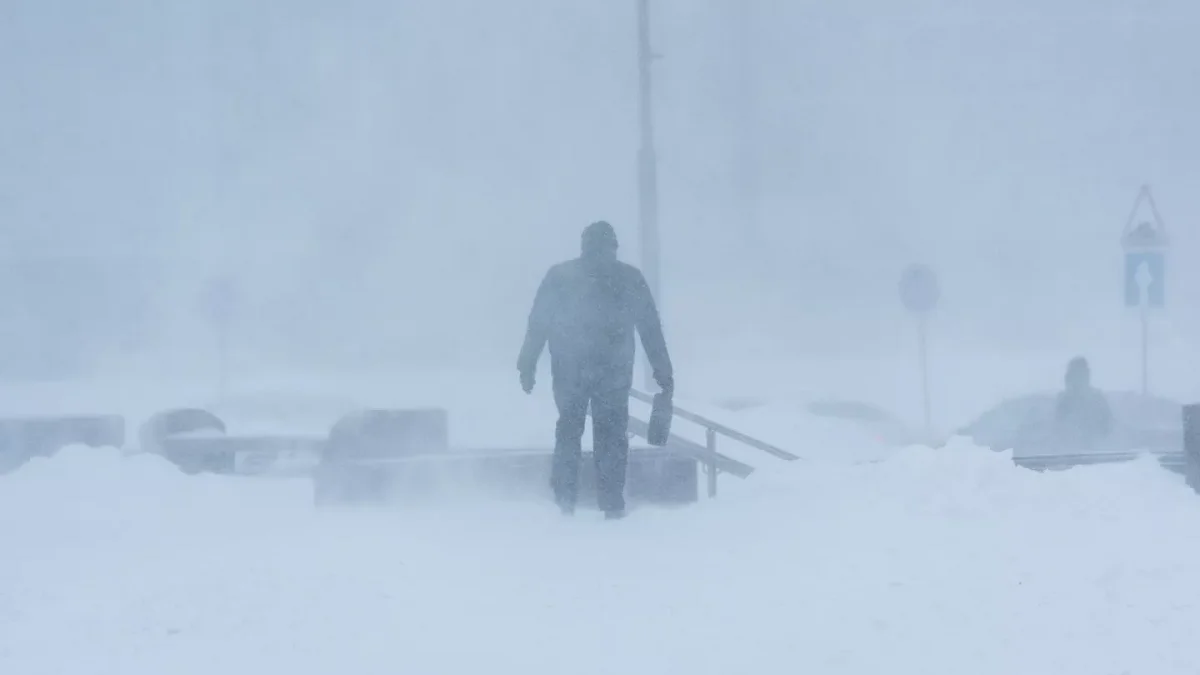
x=666 y=382
x=527 y=381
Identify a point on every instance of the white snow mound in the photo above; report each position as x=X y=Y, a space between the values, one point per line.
x=935 y=561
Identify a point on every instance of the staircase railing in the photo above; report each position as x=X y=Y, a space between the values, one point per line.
x=706 y=456
x=713 y=461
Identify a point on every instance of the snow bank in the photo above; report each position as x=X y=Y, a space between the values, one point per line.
x=933 y=561
x=96 y=494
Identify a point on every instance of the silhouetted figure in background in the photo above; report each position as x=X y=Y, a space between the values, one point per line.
x=1081 y=412
x=587 y=310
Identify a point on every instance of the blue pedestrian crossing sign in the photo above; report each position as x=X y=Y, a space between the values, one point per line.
x=1145 y=244
x=1145 y=279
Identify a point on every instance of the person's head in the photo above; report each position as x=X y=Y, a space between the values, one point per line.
x=599 y=242
x=1079 y=374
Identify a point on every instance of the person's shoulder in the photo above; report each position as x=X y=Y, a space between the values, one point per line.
x=630 y=273
x=559 y=270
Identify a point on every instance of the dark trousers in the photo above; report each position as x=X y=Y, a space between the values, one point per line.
x=610 y=422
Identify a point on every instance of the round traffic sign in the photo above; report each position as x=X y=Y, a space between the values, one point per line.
x=919 y=290
x=220 y=298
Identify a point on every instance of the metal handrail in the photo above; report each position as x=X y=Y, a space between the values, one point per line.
x=709 y=457
x=715 y=427
x=1172 y=458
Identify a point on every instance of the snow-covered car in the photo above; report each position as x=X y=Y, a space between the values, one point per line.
x=273 y=432
x=1025 y=425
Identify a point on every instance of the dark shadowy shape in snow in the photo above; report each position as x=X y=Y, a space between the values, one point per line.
x=1025 y=425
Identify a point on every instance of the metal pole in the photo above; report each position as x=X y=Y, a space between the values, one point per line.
x=1145 y=347
x=923 y=359
x=222 y=358
x=647 y=167
x=745 y=167
x=710 y=438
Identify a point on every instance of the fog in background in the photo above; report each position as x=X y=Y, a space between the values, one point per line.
x=385 y=181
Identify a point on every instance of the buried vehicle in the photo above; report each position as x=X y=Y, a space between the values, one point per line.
x=260 y=433
x=1025 y=425
x=197 y=441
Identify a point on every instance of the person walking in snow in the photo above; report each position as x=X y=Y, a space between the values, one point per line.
x=587 y=310
x=1082 y=415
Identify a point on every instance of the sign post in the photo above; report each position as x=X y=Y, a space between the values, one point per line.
x=219 y=302
x=920 y=293
x=1145 y=243
x=647 y=166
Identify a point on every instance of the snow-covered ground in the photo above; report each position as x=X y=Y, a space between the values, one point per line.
x=934 y=562
x=931 y=561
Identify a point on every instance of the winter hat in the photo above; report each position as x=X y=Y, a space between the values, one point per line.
x=599 y=237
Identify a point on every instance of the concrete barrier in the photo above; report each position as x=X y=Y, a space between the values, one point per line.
x=22 y=438
x=383 y=434
x=654 y=476
x=394 y=456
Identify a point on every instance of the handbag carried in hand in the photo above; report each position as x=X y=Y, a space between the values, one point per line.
x=660 y=420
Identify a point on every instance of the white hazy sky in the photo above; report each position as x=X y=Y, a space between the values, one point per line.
x=388 y=179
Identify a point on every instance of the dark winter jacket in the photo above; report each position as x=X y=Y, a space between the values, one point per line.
x=1083 y=414
x=587 y=310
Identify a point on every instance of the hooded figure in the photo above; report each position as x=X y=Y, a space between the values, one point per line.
x=587 y=310
x=1081 y=413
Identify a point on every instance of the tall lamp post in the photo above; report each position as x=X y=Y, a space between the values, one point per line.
x=745 y=160
x=647 y=166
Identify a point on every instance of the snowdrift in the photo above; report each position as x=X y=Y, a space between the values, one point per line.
x=940 y=561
